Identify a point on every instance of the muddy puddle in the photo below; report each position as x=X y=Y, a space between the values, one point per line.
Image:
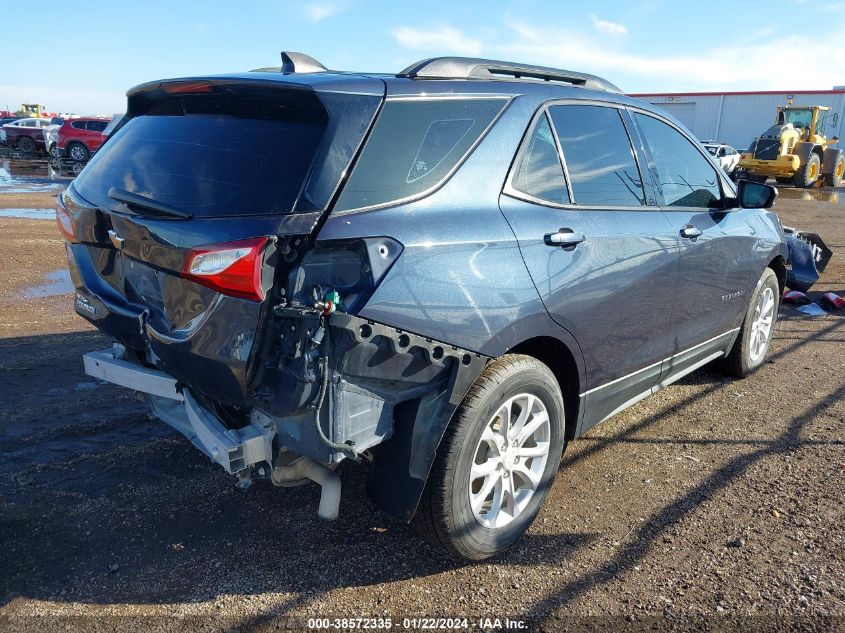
x=55 y=283
x=29 y=214
x=834 y=196
x=36 y=176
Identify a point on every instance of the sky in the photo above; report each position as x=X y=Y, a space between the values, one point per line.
x=100 y=48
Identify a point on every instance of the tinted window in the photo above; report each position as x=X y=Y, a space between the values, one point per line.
x=414 y=146
x=598 y=156
x=682 y=174
x=539 y=172
x=79 y=125
x=212 y=156
x=97 y=126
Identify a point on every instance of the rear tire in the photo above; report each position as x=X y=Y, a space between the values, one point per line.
x=808 y=173
x=77 y=152
x=488 y=482
x=26 y=145
x=749 y=349
x=834 y=179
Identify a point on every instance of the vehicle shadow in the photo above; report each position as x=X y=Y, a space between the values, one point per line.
x=101 y=505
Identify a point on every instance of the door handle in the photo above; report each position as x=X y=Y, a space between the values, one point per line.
x=690 y=231
x=565 y=238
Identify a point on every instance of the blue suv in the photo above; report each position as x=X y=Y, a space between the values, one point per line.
x=448 y=273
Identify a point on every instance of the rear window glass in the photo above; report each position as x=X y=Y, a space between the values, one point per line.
x=246 y=154
x=415 y=144
x=540 y=173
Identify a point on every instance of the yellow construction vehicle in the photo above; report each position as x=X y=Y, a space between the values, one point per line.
x=31 y=110
x=795 y=151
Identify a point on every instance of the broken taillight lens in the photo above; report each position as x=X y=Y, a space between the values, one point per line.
x=232 y=268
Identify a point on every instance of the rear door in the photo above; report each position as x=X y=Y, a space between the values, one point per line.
x=180 y=222
x=716 y=245
x=600 y=252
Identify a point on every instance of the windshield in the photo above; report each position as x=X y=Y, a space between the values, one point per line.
x=712 y=149
x=210 y=155
x=798 y=118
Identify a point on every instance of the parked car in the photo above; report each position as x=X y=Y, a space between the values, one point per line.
x=304 y=267
x=51 y=136
x=80 y=137
x=4 y=121
x=725 y=155
x=26 y=134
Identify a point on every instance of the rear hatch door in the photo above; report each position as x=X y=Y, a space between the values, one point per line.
x=179 y=223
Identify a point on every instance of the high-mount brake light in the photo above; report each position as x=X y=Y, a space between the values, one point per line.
x=64 y=220
x=187 y=87
x=231 y=268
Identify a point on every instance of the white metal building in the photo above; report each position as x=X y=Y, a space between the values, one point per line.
x=736 y=118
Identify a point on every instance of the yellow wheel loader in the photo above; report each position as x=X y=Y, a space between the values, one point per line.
x=795 y=151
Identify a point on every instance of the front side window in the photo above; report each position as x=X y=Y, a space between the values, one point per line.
x=682 y=174
x=414 y=146
x=598 y=156
x=539 y=172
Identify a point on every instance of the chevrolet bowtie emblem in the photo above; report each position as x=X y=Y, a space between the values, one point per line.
x=116 y=240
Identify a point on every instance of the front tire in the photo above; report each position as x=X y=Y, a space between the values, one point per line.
x=808 y=173
x=755 y=335
x=497 y=460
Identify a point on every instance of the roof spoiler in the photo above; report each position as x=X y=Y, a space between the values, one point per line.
x=472 y=68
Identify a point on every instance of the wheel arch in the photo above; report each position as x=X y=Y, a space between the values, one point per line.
x=401 y=465
x=559 y=358
x=778 y=265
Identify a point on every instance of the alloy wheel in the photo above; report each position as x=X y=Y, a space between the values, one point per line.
x=509 y=460
x=761 y=325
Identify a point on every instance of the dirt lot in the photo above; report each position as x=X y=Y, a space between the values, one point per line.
x=716 y=503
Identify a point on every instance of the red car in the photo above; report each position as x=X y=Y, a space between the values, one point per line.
x=81 y=137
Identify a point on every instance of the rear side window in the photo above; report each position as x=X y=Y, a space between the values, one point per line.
x=598 y=156
x=683 y=175
x=79 y=125
x=97 y=126
x=243 y=152
x=414 y=145
x=540 y=173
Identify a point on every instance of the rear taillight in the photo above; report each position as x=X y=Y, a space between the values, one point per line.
x=233 y=268
x=65 y=221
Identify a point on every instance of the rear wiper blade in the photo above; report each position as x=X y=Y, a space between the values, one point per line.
x=142 y=202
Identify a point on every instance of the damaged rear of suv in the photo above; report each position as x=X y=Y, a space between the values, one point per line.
x=301 y=267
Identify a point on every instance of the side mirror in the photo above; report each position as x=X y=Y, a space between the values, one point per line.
x=755 y=195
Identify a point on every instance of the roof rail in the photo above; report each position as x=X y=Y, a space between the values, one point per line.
x=472 y=68
x=293 y=62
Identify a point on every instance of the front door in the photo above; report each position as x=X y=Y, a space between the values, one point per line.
x=716 y=245
x=602 y=255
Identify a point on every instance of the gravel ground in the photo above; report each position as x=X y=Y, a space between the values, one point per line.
x=715 y=504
